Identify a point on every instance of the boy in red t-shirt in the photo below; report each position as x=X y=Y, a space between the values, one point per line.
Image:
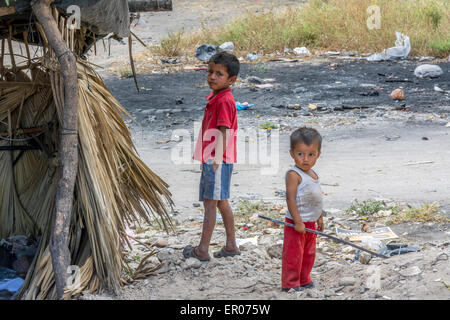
x=216 y=149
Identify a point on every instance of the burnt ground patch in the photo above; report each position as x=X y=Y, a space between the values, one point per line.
x=333 y=85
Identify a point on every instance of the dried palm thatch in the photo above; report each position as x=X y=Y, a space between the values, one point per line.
x=113 y=187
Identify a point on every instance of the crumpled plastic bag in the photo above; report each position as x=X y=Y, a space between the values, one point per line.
x=396 y=249
x=302 y=51
x=400 y=51
x=204 y=52
x=227 y=46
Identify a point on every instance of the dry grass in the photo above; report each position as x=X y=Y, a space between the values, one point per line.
x=424 y=213
x=329 y=25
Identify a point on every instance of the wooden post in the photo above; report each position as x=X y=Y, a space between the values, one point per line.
x=68 y=146
x=149 y=5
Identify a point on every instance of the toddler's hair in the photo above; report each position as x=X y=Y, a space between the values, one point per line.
x=307 y=136
x=228 y=60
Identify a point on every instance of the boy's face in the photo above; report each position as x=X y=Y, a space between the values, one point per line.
x=305 y=156
x=218 y=77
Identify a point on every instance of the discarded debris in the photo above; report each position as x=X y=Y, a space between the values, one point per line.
x=227 y=46
x=174 y=61
x=410 y=272
x=401 y=49
x=302 y=51
x=264 y=86
x=204 y=52
x=243 y=106
x=252 y=56
x=398 y=94
x=195 y=68
x=396 y=249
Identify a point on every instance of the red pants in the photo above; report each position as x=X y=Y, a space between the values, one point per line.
x=299 y=252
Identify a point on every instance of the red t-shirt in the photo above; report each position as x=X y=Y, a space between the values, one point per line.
x=220 y=111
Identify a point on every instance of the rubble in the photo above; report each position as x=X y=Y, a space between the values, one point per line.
x=347 y=281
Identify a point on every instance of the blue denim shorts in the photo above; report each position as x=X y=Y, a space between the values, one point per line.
x=215 y=185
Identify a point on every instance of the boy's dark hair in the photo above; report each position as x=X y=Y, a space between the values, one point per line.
x=307 y=136
x=228 y=60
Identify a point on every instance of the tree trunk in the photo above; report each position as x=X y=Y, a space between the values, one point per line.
x=68 y=146
x=149 y=5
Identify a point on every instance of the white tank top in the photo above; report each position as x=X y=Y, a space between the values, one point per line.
x=309 y=197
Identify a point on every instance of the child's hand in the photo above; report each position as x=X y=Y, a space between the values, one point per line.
x=300 y=227
x=215 y=166
x=320 y=225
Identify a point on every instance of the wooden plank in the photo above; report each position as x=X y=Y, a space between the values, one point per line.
x=5 y=11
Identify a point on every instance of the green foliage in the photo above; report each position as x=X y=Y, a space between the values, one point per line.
x=268 y=125
x=366 y=207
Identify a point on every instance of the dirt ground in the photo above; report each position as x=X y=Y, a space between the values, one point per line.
x=374 y=148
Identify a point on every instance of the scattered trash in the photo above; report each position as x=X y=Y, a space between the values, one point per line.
x=196 y=204
x=243 y=106
x=204 y=52
x=264 y=86
x=383 y=233
x=253 y=241
x=372 y=243
x=332 y=53
x=227 y=46
x=174 y=61
x=424 y=138
x=366 y=228
x=396 y=249
x=163 y=141
x=11 y=285
x=440 y=258
x=254 y=80
x=398 y=94
x=252 y=56
x=195 y=68
x=312 y=106
x=401 y=49
x=437 y=89
x=428 y=71
x=279 y=59
x=302 y=51
x=411 y=271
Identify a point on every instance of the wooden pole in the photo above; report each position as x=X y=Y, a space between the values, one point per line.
x=68 y=146
x=149 y=5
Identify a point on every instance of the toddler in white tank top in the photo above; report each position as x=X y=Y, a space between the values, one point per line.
x=304 y=202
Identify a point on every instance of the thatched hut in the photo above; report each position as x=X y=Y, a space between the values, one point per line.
x=112 y=186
